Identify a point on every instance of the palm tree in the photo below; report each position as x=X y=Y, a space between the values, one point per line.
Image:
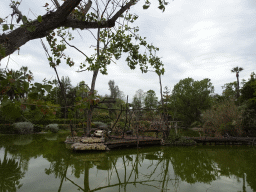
x=237 y=70
x=28 y=75
x=15 y=84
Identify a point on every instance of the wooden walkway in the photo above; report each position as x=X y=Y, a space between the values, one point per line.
x=225 y=140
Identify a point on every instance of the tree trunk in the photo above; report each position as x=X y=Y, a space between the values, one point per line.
x=237 y=89
x=94 y=77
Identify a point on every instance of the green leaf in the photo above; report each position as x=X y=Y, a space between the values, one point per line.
x=39 y=19
x=161 y=7
x=5 y=27
x=47 y=88
x=24 y=19
x=26 y=86
x=11 y=26
x=145 y=6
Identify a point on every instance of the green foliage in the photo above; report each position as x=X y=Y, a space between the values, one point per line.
x=10 y=110
x=173 y=137
x=179 y=139
x=23 y=127
x=138 y=99
x=5 y=27
x=248 y=99
x=114 y=90
x=38 y=128
x=6 y=129
x=217 y=119
x=229 y=90
x=39 y=19
x=145 y=124
x=228 y=129
x=189 y=98
x=150 y=100
x=14 y=84
x=248 y=92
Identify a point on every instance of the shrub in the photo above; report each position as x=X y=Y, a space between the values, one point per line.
x=174 y=137
x=38 y=128
x=6 y=129
x=63 y=126
x=52 y=127
x=218 y=118
x=23 y=127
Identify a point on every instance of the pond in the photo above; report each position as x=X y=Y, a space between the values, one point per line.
x=42 y=163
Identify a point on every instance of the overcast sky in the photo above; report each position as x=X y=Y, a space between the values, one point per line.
x=198 y=39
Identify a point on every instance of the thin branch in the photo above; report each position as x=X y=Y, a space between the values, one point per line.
x=74 y=47
x=56 y=3
x=92 y=34
x=16 y=11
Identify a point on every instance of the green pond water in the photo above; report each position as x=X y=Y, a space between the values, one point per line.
x=42 y=163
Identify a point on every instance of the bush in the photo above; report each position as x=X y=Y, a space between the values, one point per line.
x=146 y=124
x=228 y=129
x=218 y=118
x=52 y=127
x=101 y=118
x=23 y=127
x=63 y=126
x=6 y=129
x=173 y=137
x=38 y=128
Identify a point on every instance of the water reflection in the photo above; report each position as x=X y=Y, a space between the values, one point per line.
x=203 y=168
x=10 y=173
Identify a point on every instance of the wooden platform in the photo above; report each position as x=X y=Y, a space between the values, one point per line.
x=130 y=141
x=225 y=140
x=87 y=143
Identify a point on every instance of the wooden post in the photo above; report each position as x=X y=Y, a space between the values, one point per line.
x=137 y=134
x=126 y=116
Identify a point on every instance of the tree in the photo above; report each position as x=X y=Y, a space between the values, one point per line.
x=111 y=43
x=14 y=84
x=190 y=98
x=166 y=101
x=102 y=15
x=150 y=100
x=114 y=90
x=248 y=99
x=138 y=99
x=116 y=94
x=230 y=90
x=237 y=70
x=70 y=14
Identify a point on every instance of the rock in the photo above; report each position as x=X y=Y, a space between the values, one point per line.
x=92 y=140
x=94 y=146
